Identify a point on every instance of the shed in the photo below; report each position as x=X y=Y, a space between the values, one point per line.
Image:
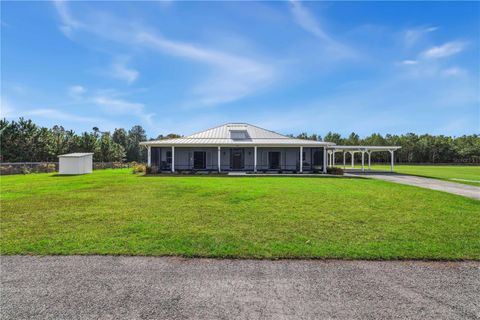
x=75 y=163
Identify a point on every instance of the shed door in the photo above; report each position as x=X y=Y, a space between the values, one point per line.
x=274 y=160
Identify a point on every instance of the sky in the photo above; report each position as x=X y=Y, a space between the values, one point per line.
x=292 y=67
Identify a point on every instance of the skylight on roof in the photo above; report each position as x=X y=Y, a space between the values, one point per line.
x=238 y=134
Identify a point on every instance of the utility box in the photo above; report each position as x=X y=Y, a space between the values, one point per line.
x=75 y=163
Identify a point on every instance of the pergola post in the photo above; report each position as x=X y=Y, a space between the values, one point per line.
x=301 y=159
x=149 y=156
x=255 y=159
x=344 y=160
x=352 y=154
x=333 y=159
x=218 y=160
x=369 y=154
x=363 y=161
x=324 y=160
x=391 y=160
x=173 y=159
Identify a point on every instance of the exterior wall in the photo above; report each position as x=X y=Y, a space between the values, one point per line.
x=75 y=165
x=289 y=158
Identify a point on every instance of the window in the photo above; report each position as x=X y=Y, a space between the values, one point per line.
x=169 y=157
x=238 y=134
x=199 y=160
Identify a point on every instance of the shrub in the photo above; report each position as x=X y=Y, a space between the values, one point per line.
x=335 y=171
x=25 y=170
x=151 y=169
x=140 y=168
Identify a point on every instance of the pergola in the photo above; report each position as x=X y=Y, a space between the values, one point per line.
x=331 y=150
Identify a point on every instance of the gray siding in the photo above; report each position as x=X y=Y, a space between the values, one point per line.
x=289 y=158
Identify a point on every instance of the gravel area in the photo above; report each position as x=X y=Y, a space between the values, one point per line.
x=106 y=287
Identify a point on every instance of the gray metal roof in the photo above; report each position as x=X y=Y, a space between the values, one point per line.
x=221 y=136
x=75 y=155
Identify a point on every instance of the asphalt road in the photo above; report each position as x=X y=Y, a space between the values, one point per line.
x=96 y=287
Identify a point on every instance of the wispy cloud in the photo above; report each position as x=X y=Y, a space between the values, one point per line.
x=117 y=106
x=305 y=19
x=76 y=91
x=232 y=76
x=453 y=72
x=7 y=109
x=119 y=70
x=409 y=62
x=412 y=36
x=445 y=50
x=69 y=24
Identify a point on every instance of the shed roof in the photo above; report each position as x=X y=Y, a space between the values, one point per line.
x=222 y=135
x=75 y=155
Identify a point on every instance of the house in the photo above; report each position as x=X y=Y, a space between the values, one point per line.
x=248 y=148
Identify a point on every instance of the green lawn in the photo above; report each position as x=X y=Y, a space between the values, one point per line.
x=461 y=174
x=116 y=212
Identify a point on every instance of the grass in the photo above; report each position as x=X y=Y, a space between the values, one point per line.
x=116 y=212
x=460 y=174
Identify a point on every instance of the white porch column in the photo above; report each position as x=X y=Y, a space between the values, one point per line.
x=333 y=159
x=301 y=159
x=218 y=160
x=391 y=160
x=324 y=160
x=369 y=156
x=363 y=161
x=255 y=159
x=173 y=159
x=344 y=160
x=353 y=160
x=149 y=156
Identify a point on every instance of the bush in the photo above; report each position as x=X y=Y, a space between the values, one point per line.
x=335 y=171
x=139 y=168
x=151 y=169
x=25 y=170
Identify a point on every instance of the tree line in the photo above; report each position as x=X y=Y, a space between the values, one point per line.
x=423 y=148
x=24 y=141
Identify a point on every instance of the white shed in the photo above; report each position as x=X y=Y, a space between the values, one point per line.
x=75 y=163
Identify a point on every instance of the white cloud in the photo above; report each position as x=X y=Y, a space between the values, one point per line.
x=307 y=21
x=453 y=72
x=120 y=71
x=445 y=50
x=76 y=91
x=232 y=76
x=120 y=106
x=55 y=114
x=409 y=62
x=69 y=23
x=7 y=110
x=412 y=36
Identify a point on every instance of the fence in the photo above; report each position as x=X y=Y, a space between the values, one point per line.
x=7 y=168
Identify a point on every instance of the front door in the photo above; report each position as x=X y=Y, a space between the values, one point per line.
x=236 y=159
x=274 y=160
x=199 y=160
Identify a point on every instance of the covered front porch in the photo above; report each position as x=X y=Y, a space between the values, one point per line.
x=253 y=159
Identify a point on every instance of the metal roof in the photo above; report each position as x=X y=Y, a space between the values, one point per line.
x=222 y=136
x=75 y=155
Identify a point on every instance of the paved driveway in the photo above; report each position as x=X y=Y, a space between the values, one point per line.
x=97 y=287
x=435 y=184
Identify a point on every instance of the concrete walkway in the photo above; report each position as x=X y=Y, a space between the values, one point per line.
x=435 y=184
x=106 y=287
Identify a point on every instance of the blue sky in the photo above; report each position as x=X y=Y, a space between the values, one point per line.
x=287 y=66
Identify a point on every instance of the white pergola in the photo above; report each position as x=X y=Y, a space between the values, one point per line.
x=331 y=150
